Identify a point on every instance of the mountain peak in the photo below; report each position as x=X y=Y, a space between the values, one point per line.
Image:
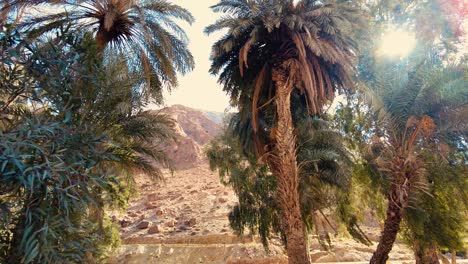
x=195 y=128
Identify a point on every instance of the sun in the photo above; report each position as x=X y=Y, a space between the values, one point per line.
x=396 y=43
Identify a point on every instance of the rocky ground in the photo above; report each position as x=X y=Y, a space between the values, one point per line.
x=188 y=203
x=183 y=218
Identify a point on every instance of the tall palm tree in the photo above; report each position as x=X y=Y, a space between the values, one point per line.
x=324 y=176
x=272 y=48
x=415 y=106
x=143 y=32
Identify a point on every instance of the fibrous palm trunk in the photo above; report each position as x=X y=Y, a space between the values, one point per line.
x=404 y=168
x=102 y=39
x=390 y=231
x=284 y=166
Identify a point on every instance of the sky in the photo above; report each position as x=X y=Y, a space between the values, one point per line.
x=198 y=89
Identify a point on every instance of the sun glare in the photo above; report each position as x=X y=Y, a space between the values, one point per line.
x=396 y=43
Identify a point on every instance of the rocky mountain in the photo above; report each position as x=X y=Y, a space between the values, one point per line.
x=195 y=129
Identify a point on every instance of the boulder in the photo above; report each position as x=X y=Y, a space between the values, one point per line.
x=125 y=223
x=143 y=225
x=191 y=222
x=154 y=229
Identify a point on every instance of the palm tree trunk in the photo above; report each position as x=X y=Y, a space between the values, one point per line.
x=390 y=231
x=284 y=166
x=425 y=254
x=101 y=40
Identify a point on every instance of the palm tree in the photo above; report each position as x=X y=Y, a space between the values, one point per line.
x=80 y=130
x=324 y=177
x=414 y=107
x=143 y=32
x=271 y=49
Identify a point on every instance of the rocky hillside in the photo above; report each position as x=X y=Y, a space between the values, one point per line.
x=195 y=129
x=184 y=217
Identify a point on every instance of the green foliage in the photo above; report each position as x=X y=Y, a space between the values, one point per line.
x=441 y=216
x=72 y=134
x=324 y=177
x=397 y=96
x=252 y=182
x=49 y=180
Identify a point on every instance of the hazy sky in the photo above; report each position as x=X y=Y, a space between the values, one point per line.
x=199 y=89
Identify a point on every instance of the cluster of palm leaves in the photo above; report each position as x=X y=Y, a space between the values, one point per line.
x=316 y=37
x=142 y=32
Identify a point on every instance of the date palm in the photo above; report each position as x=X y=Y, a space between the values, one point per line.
x=324 y=177
x=417 y=108
x=272 y=48
x=143 y=32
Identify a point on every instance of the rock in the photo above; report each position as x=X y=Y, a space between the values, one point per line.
x=132 y=214
x=314 y=256
x=191 y=222
x=193 y=233
x=154 y=229
x=125 y=223
x=143 y=225
x=153 y=196
x=150 y=206
x=159 y=212
x=224 y=230
x=222 y=200
x=182 y=228
x=195 y=129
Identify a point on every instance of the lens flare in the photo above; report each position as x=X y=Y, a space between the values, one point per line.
x=396 y=43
